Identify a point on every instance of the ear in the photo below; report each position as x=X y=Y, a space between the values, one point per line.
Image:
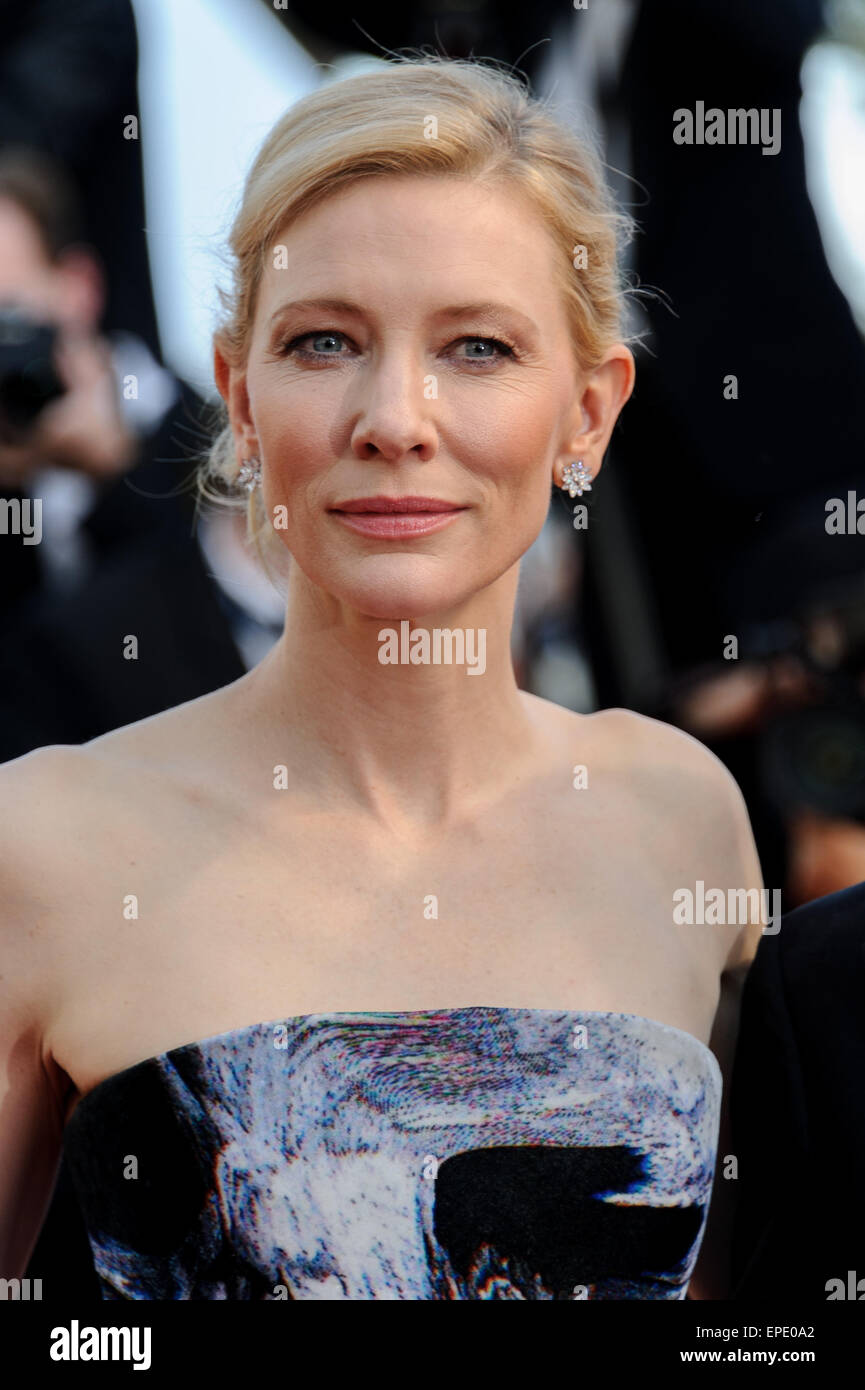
x=231 y=385
x=602 y=395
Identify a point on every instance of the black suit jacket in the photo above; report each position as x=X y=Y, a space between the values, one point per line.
x=72 y=681
x=798 y=1105
x=64 y=677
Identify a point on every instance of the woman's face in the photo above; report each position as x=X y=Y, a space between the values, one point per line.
x=436 y=363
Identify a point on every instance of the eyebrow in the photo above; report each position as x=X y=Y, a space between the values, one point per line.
x=485 y=309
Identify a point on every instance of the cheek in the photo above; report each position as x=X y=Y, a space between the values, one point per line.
x=522 y=472
x=294 y=432
x=298 y=446
x=518 y=453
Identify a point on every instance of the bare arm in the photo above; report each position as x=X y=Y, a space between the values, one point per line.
x=712 y=1274
x=712 y=1277
x=31 y=1105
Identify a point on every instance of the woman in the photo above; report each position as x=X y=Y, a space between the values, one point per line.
x=368 y=964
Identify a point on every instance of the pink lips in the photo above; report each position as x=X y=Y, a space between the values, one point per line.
x=395 y=517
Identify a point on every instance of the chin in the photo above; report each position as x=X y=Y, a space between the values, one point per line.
x=393 y=603
x=393 y=587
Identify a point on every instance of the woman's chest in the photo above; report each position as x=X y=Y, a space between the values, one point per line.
x=189 y=945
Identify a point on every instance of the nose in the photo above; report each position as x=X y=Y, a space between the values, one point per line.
x=395 y=415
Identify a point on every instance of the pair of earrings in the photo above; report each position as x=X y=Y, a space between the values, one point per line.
x=575 y=481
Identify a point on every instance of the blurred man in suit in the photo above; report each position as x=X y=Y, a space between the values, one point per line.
x=799 y=1108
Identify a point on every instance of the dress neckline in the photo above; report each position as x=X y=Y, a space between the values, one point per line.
x=365 y=1017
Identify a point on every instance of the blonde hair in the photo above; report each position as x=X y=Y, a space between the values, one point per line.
x=487 y=127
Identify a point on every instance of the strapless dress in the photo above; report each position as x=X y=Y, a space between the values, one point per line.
x=465 y=1153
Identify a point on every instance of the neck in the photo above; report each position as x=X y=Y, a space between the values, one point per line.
x=416 y=743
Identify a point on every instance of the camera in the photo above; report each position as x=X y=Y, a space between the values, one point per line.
x=28 y=376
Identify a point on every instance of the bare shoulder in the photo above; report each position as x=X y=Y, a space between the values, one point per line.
x=58 y=803
x=710 y=804
x=46 y=798
x=655 y=749
x=67 y=811
x=681 y=798
x=168 y=738
x=660 y=744
x=642 y=746
x=62 y=807
x=35 y=793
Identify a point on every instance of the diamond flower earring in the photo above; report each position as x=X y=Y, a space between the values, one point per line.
x=249 y=474
x=576 y=479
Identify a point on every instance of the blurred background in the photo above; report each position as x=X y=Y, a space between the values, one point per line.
x=705 y=589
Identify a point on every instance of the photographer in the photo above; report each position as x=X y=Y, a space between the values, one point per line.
x=66 y=430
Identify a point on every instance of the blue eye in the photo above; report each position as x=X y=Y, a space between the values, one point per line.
x=316 y=336
x=503 y=349
x=292 y=347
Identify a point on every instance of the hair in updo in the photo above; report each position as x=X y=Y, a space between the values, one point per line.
x=488 y=129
